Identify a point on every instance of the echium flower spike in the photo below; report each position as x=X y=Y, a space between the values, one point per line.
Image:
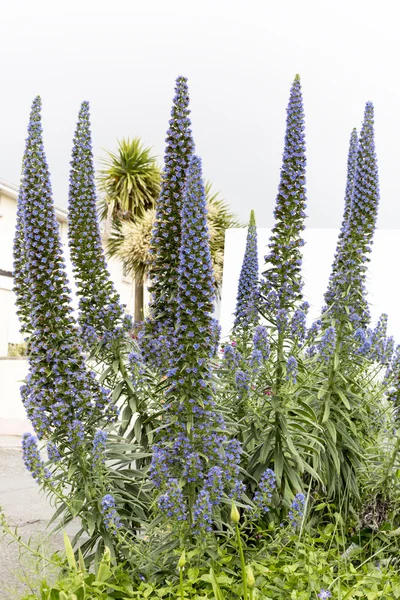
x=21 y=268
x=166 y=236
x=195 y=298
x=348 y=199
x=246 y=313
x=101 y=313
x=194 y=450
x=32 y=460
x=283 y=274
x=348 y=283
x=59 y=392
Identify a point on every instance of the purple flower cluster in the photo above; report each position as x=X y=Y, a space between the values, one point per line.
x=291 y=369
x=261 y=348
x=247 y=301
x=215 y=483
x=324 y=594
x=171 y=502
x=195 y=297
x=347 y=287
x=375 y=344
x=59 y=391
x=263 y=496
x=296 y=511
x=242 y=380
x=298 y=325
x=53 y=452
x=166 y=237
x=351 y=172
x=327 y=345
x=21 y=266
x=111 y=518
x=202 y=513
x=194 y=450
x=232 y=356
x=284 y=260
x=101 y=317
x=99 y=448
x=32 y=460
x=137 y=367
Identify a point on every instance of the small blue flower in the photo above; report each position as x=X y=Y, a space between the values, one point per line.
x=291 y=369
x=296 y=512
x=111 y=518
x=263 y=496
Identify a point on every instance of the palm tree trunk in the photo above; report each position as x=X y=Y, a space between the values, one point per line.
x=107 y=227
x=139 y=299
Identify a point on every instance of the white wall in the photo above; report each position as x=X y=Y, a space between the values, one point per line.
x=13 y=419
x=383 y=282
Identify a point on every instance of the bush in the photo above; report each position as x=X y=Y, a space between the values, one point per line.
x=267 y=469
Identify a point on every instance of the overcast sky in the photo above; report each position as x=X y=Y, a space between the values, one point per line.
x=240 y=58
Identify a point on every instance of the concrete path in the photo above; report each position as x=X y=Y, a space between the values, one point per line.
x=29 y=510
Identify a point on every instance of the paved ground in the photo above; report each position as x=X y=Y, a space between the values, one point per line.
x=27 y=509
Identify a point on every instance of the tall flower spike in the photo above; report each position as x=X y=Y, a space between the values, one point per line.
x=351 y=172
x=246 y=312
x=166 y=237
x=194 y=441
x=101 y=313
x=283 y=276
x=348 y=284
x=59 y=392
x=195 y=299
x=21 y=269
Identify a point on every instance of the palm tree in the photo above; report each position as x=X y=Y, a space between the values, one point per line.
x=130 y=180
x=130 y=240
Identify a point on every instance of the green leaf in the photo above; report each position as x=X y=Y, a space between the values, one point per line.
x=69 y=552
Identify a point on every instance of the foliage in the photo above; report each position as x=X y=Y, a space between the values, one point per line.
x=269 y=468
x=130 y=180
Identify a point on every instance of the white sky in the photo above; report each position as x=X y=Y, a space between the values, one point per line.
x=240 y=58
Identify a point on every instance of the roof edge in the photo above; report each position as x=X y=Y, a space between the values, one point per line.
x=11 y=190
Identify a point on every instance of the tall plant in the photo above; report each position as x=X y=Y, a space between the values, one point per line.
x=246 y=313
x=59 y=393
x=166 y=238
x=344 y=230
x=283 y=283
x=347 y=291
x=101 y=315
x=194 y=464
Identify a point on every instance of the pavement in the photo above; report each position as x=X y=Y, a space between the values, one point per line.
x=26 y=508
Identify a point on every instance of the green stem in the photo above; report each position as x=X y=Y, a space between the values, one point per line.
x=242 y=562
x=279 y=357
x=181 y=583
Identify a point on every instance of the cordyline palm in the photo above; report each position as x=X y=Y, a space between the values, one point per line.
x=130 y=241
x=130 y=181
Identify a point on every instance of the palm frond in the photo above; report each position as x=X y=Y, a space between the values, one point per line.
x=130 y=178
